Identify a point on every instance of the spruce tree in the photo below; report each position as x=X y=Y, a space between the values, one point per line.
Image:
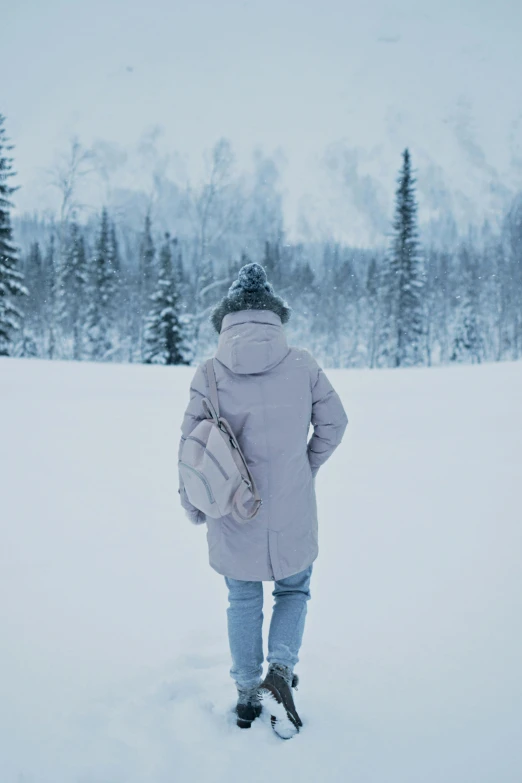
x=272 y=262
x=146 y=277
x=177 y=263
x=347 y=285
x=76 y=288
x=102 y=290
x=34 y=275
x=120 y=298
x=513 y=230
x=115 y=269
x=147 y=255
x=11 y=277
x=385 y=293
x=372 y=310
x=468 y=344
x=51 y=295
x=503 y=303
x=406 y=279
x=164 y=332
x=441 y=282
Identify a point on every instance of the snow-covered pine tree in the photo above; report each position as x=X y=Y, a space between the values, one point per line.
x=142 y=288
x=406 y=277
x=115 y=260
x=51 y=295
x=164 y=332
x=146 y=260
x=11 y=277
x=513 y=230
x=434 y=297
x=120 y=297
x=177 y=262
x=272 y=263
x=301 y=285
x=146 y=277
x=468 y=343
x=503 y=299
x=384 y=286
x=442 y=284
x=372 y=310
x=100 y=320
x=76 y=279
x=330 y=306
x=34 y=278
x=347 y=281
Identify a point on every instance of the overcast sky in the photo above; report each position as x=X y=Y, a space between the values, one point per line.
x=442 y=77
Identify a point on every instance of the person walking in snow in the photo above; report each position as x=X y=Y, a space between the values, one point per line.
x=270 y=393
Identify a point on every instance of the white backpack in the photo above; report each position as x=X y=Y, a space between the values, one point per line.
x=214 y=472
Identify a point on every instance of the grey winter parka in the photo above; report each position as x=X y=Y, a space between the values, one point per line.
x=270 y=393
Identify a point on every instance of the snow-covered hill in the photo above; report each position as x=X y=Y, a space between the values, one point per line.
x=341 y=87
x=114 y=660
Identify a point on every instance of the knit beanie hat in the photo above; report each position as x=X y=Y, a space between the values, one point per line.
x=251 y=291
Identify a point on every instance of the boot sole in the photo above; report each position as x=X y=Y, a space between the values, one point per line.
x=282 y=721
x=244 y=724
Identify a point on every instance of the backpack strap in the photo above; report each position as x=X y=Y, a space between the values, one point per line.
x=240 y=512
x=212 y=386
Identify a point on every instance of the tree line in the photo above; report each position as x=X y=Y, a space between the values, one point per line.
x=107 y=289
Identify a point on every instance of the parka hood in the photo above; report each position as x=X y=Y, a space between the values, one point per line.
x=251 y=341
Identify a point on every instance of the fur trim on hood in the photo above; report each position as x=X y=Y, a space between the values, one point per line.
x=251 y=291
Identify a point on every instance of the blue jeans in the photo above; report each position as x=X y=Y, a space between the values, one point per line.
x=245 y=623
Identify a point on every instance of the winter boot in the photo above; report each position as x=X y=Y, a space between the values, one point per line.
x=276 y=695
x=248 y=707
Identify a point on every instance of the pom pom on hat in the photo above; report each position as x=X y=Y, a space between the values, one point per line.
x=251 y=277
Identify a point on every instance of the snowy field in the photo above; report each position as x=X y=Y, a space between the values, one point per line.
x=113 y=654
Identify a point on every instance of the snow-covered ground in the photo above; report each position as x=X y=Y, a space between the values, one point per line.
x=113 y=653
